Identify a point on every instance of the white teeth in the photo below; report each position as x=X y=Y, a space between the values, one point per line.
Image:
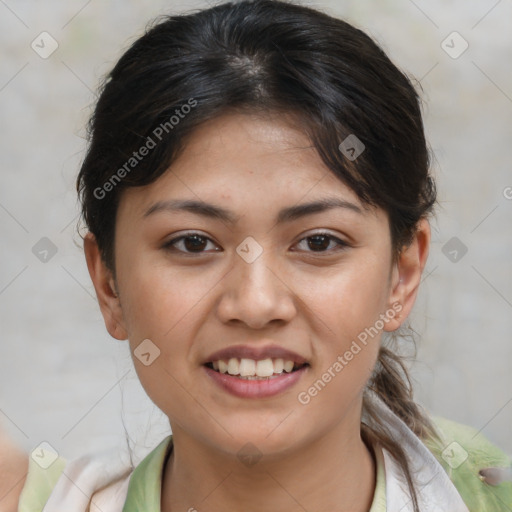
x=233 y=366
x=251 y=368
x=247 y=367
x=265 y=368
x=278 y=366
x=223 y=366
x=288 y=366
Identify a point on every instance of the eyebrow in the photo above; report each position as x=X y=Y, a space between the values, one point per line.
x=212 y=211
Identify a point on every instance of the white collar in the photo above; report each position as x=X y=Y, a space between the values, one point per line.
x=435 y=490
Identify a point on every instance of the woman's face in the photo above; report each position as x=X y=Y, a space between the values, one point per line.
x=259 y=279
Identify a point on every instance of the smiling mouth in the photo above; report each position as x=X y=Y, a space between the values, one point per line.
x=250 y=369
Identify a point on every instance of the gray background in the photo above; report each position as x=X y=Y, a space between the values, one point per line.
x=65 y=381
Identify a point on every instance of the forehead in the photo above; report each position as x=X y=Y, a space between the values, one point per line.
x=244 y=157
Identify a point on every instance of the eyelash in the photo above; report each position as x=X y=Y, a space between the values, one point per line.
x=170 y=245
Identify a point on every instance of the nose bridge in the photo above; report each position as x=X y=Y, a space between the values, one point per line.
x=253 y=277
x=253 y=291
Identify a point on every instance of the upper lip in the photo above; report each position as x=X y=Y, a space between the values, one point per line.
x=256 y=353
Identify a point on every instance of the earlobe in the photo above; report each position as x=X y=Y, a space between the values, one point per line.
x=104 y=284
x=407 y=273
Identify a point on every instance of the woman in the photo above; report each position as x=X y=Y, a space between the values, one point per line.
x=257 y=195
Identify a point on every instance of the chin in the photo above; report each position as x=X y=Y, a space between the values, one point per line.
x=253 y=441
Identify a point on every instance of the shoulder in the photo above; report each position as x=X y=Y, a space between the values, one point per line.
x=96 y=481
x=44 y=468
x=93 y=479
x=464 y=452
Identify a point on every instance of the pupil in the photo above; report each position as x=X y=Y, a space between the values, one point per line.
x=321 y=246
x=194 y=245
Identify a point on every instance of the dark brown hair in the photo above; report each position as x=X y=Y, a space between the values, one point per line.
x=267 y=56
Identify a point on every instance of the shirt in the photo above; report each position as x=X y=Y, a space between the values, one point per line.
x=145 y=483
x=445 y=473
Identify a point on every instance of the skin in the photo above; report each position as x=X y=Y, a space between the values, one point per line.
x=13 y=472
x=312 y=302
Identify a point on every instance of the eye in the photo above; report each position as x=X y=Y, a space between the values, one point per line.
x=195 y=243
x=190 y=243
x=318 y=242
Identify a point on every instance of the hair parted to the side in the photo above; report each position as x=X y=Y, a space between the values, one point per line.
x=267 y=56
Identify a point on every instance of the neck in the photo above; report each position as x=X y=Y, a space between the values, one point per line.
x=333 y=472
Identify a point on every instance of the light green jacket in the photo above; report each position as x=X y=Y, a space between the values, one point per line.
x=462 y=452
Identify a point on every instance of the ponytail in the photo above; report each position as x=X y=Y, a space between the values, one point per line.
x=391 y=382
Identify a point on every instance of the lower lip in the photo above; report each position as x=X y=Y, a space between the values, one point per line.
x=244 y=388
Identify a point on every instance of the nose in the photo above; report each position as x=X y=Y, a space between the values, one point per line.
x=256 y=294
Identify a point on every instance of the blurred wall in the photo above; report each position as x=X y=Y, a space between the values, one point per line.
x=63 y=380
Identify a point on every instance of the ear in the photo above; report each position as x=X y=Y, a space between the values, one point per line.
x=104 y=285
x=406 y=274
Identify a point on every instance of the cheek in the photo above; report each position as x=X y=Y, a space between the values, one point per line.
x=160 y=304
x=351 y=298
x=347 y=305
x=158 y=300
